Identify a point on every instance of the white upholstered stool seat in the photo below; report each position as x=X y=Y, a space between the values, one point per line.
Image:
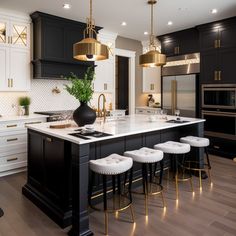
x=172 y=147
x=112 y=165
x=195 y=141
x=145 y=155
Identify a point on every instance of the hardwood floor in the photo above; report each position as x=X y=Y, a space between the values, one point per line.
x=212 y=212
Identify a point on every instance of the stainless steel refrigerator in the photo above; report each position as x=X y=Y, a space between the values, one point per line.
x=179 y=93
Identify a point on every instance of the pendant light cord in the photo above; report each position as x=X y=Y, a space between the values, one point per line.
x=152 y=34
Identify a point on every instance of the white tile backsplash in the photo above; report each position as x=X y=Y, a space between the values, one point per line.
x=42 y=98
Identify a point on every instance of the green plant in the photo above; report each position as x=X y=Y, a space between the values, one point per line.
x=81 y=89
x=24 y=101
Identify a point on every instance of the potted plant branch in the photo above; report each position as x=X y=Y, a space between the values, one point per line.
x=24 y=102
x=82 y=90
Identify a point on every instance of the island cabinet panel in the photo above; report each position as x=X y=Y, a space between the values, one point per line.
x=49 y=176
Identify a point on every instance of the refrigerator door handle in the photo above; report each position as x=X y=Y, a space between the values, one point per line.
x=173 y=96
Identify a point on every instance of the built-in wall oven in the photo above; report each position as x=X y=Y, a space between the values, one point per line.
x=219 y=96
x=220 y=124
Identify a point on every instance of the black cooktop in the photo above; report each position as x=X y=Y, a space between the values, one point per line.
x=51 y=113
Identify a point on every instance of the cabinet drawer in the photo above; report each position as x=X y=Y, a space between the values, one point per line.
x=12 y=149
x=13 y=139
x=13 y=162
x=150 y=112
x=140 y=111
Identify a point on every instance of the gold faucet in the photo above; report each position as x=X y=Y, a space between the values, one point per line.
x=102 y=113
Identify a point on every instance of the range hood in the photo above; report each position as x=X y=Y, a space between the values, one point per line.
x=182 y=65
x=53 y=47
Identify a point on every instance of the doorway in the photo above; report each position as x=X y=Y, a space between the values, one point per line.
x=122 y=84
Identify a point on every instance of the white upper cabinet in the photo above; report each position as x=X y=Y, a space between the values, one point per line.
x=14 y=53
x=105 y=70
x=152 y=80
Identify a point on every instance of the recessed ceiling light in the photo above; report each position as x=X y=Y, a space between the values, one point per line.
x=123 y=23
x=170 y=23
x=66 y=6
x=214 y=11
x=145 y=33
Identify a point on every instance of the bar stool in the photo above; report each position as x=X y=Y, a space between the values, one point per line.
x=147 y=157
x=176 y=149
x=197 y=142
x=113 y=165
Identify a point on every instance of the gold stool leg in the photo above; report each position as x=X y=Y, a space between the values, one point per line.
x=200 y=180
x=132 y=213
x=176 y=185
x=191 y=183
x=163 y=199
x=106 y=223
x=209 y=175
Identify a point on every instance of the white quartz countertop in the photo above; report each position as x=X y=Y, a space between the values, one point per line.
x=128 y=125
x=20 y=118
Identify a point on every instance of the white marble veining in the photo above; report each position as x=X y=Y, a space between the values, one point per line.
x=130 y=125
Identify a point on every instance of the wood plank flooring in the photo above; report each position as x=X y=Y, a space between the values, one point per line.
x=212 y=212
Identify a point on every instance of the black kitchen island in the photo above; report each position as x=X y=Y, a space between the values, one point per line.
x=58 y=163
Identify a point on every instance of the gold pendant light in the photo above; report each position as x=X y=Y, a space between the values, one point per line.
x=152 y=58
x=90 y=49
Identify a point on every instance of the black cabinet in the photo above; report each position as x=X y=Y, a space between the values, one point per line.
x=49 y=176
x=180 y=43
x=53 y=46
x=218 y=51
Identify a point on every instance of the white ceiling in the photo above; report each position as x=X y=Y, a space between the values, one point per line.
x=110 y=13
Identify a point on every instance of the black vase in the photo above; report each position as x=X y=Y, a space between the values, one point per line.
x=84 y=115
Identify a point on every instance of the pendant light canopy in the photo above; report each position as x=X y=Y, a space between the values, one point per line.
x=90 y=49
x=152 y=58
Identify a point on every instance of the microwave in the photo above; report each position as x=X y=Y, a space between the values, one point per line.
x=219 y=96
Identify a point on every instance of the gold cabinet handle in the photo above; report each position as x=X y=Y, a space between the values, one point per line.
x=8 y=83
x=11 y=83
x=175 y=50
x=219 y=75
x=219 y=43
x=49 y=139
x=216 y=147
x=178 y=49
x=12 y=139
x=11 y=126
x=216 y=43
x=12 y=159
x=216 y=75
x=152 y=86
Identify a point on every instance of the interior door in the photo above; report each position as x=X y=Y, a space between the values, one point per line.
x=122 y=84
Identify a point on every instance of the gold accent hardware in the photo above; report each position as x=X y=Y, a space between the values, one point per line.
x=216 y=43
x=173 y=96
x=219 y=43
x=153 y=57
x=219 y=75
x=11 y=83
x=178 y=50
x=216 y=147
x=11 y=126
x=102 y=113
x=216 y=75
x=105 y=86
x=90 y=49
x=175 y=50
x=8 y=83
x=12 y=159
x=32 y=123
x=12 y=139
x=49 y=139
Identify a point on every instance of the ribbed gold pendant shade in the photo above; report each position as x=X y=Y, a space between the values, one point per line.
x=152 y=58
x=90 y=49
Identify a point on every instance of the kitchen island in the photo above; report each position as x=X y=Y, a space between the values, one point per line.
x=58 y=160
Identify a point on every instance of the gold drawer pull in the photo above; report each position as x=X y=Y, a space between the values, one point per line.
x=49 y=140
x=216 y=147
x=12 y=159
x=12 y=139
x=11 y=126
x=32 y=123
